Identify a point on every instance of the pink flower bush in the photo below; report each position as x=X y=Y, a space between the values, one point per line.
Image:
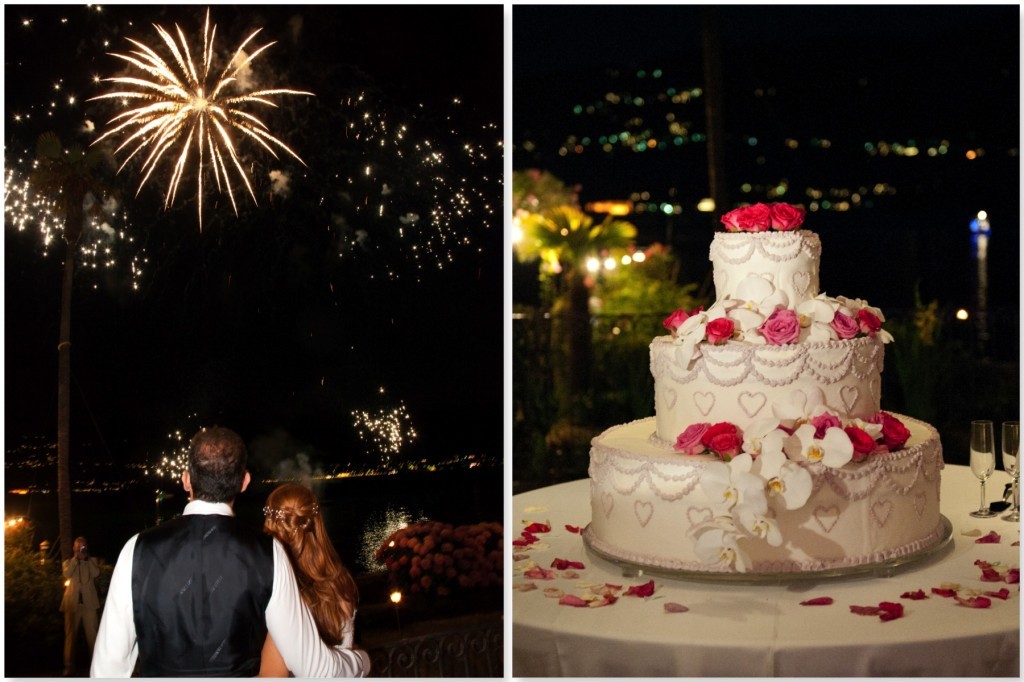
x=689 y=442
x=439 y=558
x=781 y=327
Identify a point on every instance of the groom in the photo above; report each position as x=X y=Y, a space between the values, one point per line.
x=196 y=596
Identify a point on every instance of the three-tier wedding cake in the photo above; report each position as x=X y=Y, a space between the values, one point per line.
x=768 y=451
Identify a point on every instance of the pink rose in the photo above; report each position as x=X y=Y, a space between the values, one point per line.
x=894 y=433
x=869 y=322
x=845 y=326
x=863 y=443
x=676 y=319
x=689 y=441
x=786 y=217
x=720 y=330
x=781 y=327
x=823 y=422
x=756 y=218
x=723 y=439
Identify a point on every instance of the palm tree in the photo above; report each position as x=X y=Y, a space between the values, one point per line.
x=67 y=177
x=565 y=237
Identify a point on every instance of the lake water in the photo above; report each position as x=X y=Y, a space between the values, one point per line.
x=359 y=512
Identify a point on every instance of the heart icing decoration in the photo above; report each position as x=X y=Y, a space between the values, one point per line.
x=880 y=511
x=752 y=403
x=672 y=397
x=607 y=503
x=849 y=396
x=698 y=515
x=643 y=510
x=704 y=402
x=827 y=517
x=801 y=282
x=919 y=503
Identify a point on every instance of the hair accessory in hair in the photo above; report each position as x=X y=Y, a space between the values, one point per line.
x=279 y=514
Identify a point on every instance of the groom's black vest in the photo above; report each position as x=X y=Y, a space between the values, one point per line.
x=200 y=586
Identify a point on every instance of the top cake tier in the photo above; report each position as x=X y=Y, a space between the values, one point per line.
x=789 y=260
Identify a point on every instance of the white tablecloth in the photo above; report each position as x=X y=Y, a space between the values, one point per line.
x=762 y=630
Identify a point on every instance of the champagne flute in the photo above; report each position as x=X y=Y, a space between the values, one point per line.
x=983 y=460
x=1010 y=447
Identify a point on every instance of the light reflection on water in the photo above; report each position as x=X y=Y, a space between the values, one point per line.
x=378 y=527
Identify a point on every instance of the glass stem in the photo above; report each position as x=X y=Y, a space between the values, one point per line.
x=1016 y=491
x=982 y=506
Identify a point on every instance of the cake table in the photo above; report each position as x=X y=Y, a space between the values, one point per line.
x=741 y=630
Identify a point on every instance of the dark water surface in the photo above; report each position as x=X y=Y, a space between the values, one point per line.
x=359 y=512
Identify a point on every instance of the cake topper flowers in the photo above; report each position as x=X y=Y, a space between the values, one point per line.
x=764 y=217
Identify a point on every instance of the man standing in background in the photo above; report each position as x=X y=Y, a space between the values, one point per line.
x=80 y=603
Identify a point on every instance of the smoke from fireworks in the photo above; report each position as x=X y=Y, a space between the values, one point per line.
x=179 y=106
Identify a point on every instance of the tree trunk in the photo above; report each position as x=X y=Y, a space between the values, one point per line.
x=580 y=341
x=64 y=405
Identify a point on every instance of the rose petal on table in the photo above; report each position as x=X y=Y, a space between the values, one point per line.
x=572 y=600
x=1002 y=593
x=865 y=610
x=537 y=527
x=944 y=592
x=672 y=607
x=1012 y=576
x=988 y=573
x=972 y=533
x=615 y=588
x=535 y=510
x=574 y=529
x=570 y=575
x=539 y=574
x=562 y=564
x=890 y=610
x=553 y=592
x=606 y=600
x=975 y=602
x=916 y=594
x=524 y=587
x=645 y=590
x=991 y=538
x=818 y=601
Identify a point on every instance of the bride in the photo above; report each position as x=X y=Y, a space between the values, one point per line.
x=292 y=515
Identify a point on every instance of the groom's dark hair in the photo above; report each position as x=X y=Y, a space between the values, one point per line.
x=216 y=464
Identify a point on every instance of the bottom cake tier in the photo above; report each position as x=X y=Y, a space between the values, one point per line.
x=647 y=505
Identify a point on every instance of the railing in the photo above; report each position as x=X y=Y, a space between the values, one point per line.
x=469 y=651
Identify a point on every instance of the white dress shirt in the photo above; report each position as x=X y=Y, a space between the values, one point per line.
x=289 y=621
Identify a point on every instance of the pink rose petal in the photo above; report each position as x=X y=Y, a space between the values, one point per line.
x=537 y=528
x=943 y=592
x=572 y=600
x=553 y=593
x=865 y=610
x=645 y=590
x=991 y=538
x=672 y=607
x=818 y=601
x=917 y=594
x=1012 y=576
x=539 y=574
x=570 y=575
x=574 y=529
x=562 y=564
x=891 y=610
x=975 y=602
x=1003 y=593
x=524 y=587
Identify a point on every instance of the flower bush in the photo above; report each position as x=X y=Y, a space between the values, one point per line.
x=437 y=558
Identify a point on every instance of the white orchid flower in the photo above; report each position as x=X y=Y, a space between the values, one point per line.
x=727 y=484
x=762 y=437
x=755 y=520
x=816 y=316
x=787 y=480
x=688 y=335
x=754 y=300
x=718 y=546
x=800 y=406
x=834 y=450
x=873 y=430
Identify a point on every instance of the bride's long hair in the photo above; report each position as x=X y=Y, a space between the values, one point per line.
x=292 y=515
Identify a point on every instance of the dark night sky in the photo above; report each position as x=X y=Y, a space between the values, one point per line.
x=850 y=73
x=284 y=320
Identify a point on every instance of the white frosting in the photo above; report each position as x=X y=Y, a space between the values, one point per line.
x=645 y=499
x=789 y=260
x=739 y=383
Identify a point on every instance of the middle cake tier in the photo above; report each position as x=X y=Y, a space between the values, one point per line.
x=742 y=383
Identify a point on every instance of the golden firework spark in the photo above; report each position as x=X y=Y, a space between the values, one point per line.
x=179 y=105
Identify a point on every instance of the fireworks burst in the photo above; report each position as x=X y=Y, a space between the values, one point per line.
x=173 y=463
x=387 y=429
x=181 y=105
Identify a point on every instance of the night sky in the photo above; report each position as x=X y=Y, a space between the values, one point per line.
x=795 y=78
x=372 y=280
